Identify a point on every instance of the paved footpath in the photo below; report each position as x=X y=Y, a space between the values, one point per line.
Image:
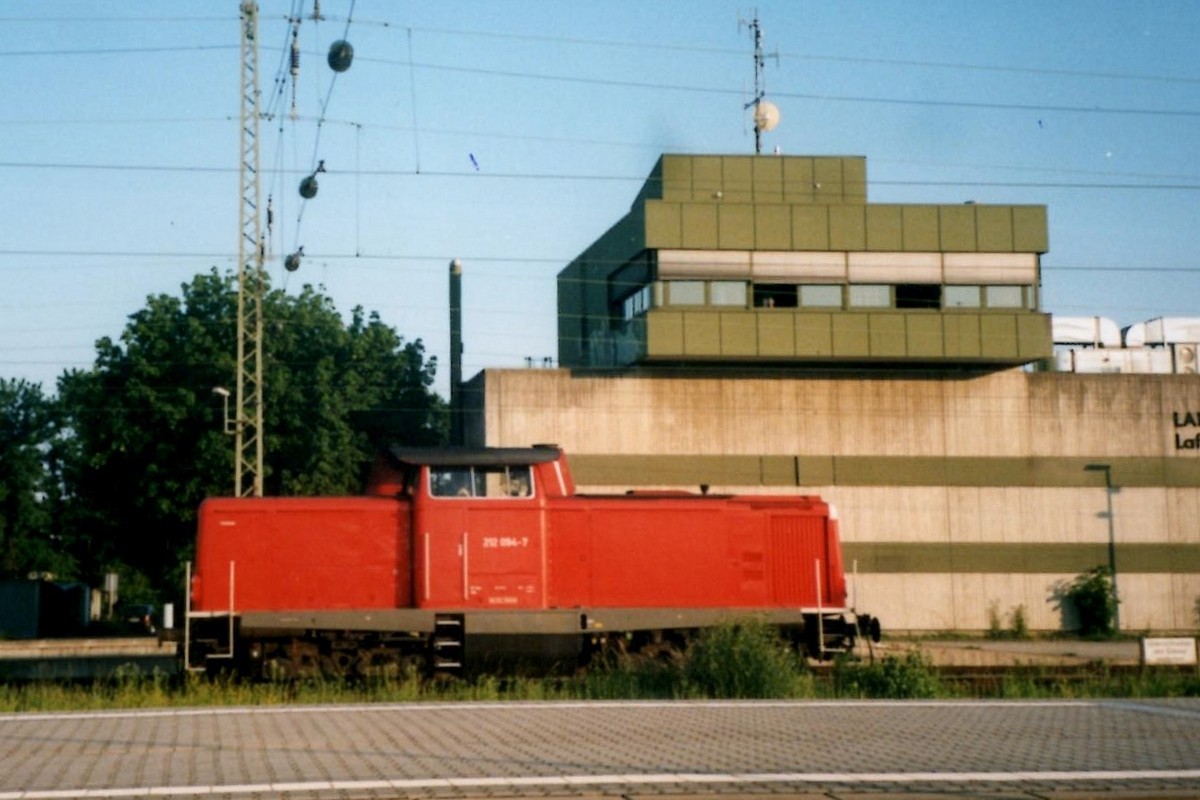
x=1118 y=748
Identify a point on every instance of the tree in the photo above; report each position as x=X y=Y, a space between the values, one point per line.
x=28 y=489
x=327 y=383
x=1095 y=600
x=149 y=431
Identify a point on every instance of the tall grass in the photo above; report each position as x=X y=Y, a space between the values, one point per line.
x=740 y=660
x=898 y=678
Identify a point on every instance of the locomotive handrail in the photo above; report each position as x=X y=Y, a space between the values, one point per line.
x=189 y=615
x=820 y=612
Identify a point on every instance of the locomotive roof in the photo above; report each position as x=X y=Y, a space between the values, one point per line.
x=473 y=456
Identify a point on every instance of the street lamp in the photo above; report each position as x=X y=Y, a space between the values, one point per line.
x=1112 y=543
x=224 y=394
x=230 y=428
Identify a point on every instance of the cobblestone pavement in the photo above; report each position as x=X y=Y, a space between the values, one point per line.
x=816 y=749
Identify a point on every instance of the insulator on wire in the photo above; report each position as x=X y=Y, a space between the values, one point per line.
x=291 y=262
x=295 y=65
x=308 y=186
x=341 y=53
x=295 y=59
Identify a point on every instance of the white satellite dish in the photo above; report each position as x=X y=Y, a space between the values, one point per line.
x=766 y=115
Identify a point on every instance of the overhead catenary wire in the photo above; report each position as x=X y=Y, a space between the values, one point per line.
x=610 y=43
x=563 y=176
x=316 y=163
x=412 y=93
x=287 y=67
x=386 y=261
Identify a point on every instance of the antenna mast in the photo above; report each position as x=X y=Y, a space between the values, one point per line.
x=248 y=427
x=766 y=114
x=756 y=29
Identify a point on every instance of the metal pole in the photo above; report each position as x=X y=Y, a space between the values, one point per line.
x=248 y=439
x=1109 y=489
x=456 y=349
x=758 y=92
x=1112 y=549
x=187 y=617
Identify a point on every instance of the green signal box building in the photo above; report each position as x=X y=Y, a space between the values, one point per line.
x=776 y=260
x=754 y=325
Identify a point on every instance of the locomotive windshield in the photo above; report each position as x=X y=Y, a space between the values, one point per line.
x=489 y=481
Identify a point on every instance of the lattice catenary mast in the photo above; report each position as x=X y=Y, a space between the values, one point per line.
x=248 y=426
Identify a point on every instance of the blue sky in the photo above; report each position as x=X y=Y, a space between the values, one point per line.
x=119 y=145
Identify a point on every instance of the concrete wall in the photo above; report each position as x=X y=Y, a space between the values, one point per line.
x=961 y=497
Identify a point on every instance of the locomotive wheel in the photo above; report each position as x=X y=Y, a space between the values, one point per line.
x=377 y=663
x=304 y=660
x=337 y=664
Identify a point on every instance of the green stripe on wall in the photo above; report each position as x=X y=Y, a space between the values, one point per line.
x=773 y=470
x=1029 y=558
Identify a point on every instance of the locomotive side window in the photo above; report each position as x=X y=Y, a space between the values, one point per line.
x=452 y=481
x=490 y=481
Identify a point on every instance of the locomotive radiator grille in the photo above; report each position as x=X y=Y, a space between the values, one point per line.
x=796 y=542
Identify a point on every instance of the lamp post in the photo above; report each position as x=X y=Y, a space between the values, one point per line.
x=230 y=429
x=1112 y=543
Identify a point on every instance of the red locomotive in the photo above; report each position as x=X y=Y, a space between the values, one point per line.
x=467 y=558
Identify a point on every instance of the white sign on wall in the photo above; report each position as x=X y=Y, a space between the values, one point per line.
x=1173 y=650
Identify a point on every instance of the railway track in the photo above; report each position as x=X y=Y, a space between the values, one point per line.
x=979 y=681
x=85 y=659
x=105 y=658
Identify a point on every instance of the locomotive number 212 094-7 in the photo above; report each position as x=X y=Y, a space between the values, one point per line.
x=505 y=541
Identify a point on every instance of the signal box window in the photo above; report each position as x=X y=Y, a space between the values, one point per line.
x=685 y=293
x=918 y=295
x=490 y=481
x=728 y=293
x=775 y=295
x=821 y=296
x=636 y=304
x=870 y=296
x=1005 y=297
x=962 y=297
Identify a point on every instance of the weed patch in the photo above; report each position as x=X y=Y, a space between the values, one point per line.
x=908 y=677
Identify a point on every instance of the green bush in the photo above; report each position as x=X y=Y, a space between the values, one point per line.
x=1095 y=600
x=633 y=677
x=747 y=659
x=1017 y=629
x=894 y=678
x=995 y=627
x=1020 y=627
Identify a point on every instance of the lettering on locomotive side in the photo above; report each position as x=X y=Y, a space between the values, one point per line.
x=505 y=541
x=1186 y=419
